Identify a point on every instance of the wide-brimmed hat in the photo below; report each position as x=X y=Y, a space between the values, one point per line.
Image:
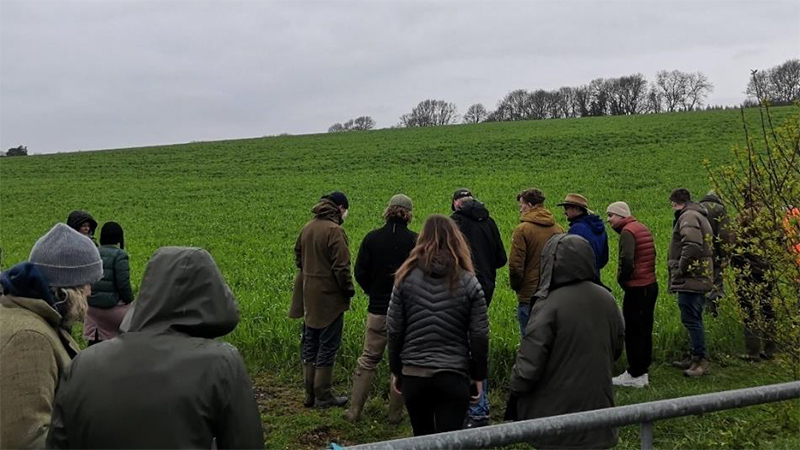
x=575 y=200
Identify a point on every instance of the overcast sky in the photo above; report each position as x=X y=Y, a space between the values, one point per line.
x=81 y=75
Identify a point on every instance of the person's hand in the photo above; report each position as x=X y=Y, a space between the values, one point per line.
x=475 y=398
x=397 y=385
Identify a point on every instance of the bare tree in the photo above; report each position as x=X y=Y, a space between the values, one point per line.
x=630 y=93
x=780 y=84
x=582 y=101
x=697 y=89
x=654 y=100
x=598 y=91
x=363 y=123
x=538 y=104
x=672 y=87
x=475 y=114
x=566 y=101
x=430 y=113
x=336 y=128
x=516 y=105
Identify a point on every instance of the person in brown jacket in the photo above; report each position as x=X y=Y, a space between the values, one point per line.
x=322 y=291
x=636 y=274
x=536 y=226
x=691 y=272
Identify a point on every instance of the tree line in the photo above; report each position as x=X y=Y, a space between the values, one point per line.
x=670 y=91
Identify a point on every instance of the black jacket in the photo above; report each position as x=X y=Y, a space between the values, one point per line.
x=485 y=244
x=382 y=252
x=78 y=218
x=166 y=382
x=432 y=327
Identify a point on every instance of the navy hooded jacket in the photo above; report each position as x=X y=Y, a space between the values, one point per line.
x=592 y=228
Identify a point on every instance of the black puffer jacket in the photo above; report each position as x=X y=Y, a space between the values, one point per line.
x=382 y=252
x=485 y=244
x=432 y=327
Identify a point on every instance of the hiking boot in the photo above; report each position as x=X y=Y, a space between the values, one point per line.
x=683 y=364
x=476 y=422
x=396 y=405
x=700 y=367
x=627 y=380
x=323 y=379
x=362 y=382
x=308 y=383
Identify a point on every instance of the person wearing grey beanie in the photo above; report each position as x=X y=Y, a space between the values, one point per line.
x=42 y=298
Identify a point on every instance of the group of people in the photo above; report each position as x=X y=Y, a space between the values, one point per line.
x=429 y=295
x=153 y=375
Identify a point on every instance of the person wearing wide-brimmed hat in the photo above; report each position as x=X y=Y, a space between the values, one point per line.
x=585 y=223
x=382 y=252
x=42 y=299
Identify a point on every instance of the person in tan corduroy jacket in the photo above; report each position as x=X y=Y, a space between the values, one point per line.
x=42 y=299
x=536 y=227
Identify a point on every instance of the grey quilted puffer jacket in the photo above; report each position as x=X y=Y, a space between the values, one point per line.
x=432 y=327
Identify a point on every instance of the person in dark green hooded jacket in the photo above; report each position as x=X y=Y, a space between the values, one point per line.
x=165 y=382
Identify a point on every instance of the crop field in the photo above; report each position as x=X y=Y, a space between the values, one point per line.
x=246 y=200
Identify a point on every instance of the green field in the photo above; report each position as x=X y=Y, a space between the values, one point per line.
x=246 y=200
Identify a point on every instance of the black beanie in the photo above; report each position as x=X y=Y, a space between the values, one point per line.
x=111 y=234
x=339 y=199
x=680 y=196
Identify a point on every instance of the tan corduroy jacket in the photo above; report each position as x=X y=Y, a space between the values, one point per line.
x=34 y=351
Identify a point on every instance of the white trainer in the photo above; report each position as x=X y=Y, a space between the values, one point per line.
x=620 y=380
x=642 y=381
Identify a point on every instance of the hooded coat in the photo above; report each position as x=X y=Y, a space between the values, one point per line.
x=166 y=382
x=485 y=244
x=78 y=218
x=691 y=254
x=323 y=285
x=529 y=238
x=592 y=228
x=575 y=334
x=35 y=349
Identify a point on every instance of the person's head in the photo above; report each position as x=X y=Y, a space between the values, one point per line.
x=529 y=198
x=679 y=198
x=440 y=242
x=70 y=263
x=399 y=209
x=575 y=205
x=340 y=200
x=111 y=234
x=82 y=222
x=617 y=212
x=460 y=196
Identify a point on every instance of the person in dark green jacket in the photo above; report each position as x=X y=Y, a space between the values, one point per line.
x=112 y=295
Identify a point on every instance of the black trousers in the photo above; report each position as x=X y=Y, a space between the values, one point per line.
x=321 y=344
x=438 y=403
x=638 y=306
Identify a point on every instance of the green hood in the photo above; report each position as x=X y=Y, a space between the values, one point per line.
x=183 y=290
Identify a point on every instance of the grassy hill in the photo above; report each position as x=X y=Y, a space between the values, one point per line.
x=246 y=200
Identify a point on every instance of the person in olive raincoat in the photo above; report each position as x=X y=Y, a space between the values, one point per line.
x=166 y=382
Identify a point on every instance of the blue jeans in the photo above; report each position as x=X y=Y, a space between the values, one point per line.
x=523 y=314
x=480 y=410
x=691 y=306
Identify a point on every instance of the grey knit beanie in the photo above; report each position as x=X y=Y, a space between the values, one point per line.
x=67 y=258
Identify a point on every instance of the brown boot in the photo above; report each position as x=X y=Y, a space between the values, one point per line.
x=323 y=380
x=396 y=405
x=362 y=382
x=700 y=367
x=308 y=383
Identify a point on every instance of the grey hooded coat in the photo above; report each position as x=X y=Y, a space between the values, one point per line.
x=166 y=382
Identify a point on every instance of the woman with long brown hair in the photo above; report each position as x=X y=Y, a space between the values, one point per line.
x=438 y=329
